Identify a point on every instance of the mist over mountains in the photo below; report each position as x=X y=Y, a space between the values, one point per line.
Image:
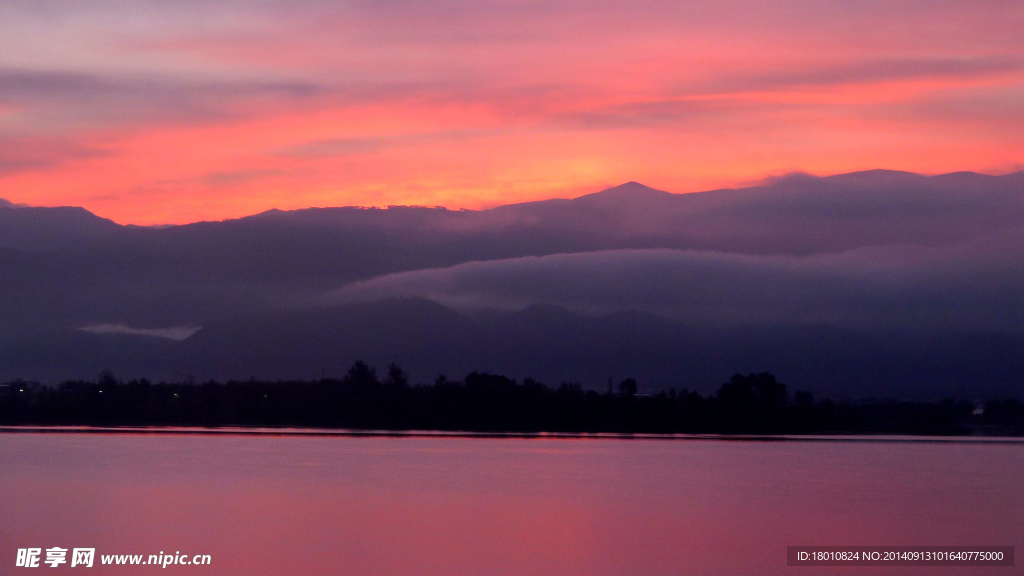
x=867 y=283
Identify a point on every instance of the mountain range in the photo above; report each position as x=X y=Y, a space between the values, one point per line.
x=874 y=282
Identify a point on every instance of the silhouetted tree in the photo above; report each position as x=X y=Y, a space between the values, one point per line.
x=757 y=392
x=361 y=374
x=106 y=378
x=627 y=387
x=751 y=402
x=396 y=376
x=803 y=398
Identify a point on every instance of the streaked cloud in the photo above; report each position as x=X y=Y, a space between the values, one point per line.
x=61 y=100
x=177 y=333
x=970 y=287
x=370 y=144
x=40 y=154
x=864 y=71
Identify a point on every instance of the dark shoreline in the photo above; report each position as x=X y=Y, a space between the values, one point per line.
x=483 y=404
x=420 y=434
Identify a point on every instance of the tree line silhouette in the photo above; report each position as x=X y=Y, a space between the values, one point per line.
x=482 y=402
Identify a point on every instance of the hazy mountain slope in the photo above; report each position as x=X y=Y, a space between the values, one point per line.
x=72 y=354
x=796 y=214
x=544 y=342
x=31 y=228
x=975 y=286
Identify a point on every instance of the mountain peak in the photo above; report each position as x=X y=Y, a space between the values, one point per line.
x=628 y=191
x=632 y=187
x=876 y=177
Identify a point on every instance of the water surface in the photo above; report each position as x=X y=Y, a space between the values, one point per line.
x=262 y=505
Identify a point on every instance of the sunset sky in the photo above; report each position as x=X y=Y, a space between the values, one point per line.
x=151 y=112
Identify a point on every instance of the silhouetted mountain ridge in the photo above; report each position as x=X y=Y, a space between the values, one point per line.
x=33 y=228
x=544 y=342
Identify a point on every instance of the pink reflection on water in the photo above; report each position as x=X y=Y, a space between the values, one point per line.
x=273 y=505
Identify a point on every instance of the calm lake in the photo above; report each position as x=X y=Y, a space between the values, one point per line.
x=480 y=506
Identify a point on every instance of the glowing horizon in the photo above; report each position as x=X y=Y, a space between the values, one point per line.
x=148 y=113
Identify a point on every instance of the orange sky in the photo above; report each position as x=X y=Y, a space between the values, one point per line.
x=161 y=112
